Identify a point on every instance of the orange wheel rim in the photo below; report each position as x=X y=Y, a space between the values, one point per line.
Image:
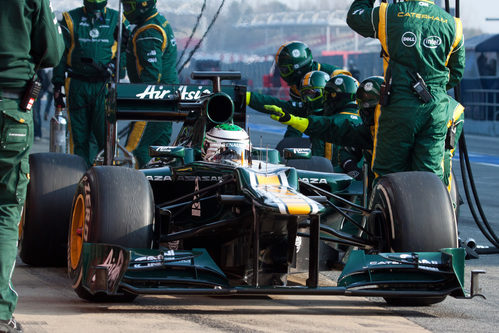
x=76 y=232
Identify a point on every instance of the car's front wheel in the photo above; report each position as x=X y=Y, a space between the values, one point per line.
x=112 y=205
x=416 y=215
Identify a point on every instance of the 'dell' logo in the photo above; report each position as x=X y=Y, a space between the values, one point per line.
x=409 y=39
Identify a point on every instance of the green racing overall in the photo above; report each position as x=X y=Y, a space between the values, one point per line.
x=31 y=38
x=419 y=41
x=151 y=57
x=90 y=51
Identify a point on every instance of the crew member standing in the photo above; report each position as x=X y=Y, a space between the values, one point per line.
x=31 y=39
x=90 y=33
x=151 y=58
x=423 y=54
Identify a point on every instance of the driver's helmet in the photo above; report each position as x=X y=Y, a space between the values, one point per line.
x=294 y=59
x=137 y=11
x=93 y=6
x=226 y=142
x=339 y=93
x=368 y=97
x=312 y=89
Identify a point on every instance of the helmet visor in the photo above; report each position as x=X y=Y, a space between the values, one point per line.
x=286 y=70
x=95 y=5
x=311 y=94
x=232 y=152
x=128 y=7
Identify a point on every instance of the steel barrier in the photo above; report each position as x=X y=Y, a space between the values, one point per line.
x=481 y=104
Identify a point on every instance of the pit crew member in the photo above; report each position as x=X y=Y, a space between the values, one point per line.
x=339 y=104
x=423 y=57
x=151 y=57
x=294 y=60
x=31 y=38
x=90 y=34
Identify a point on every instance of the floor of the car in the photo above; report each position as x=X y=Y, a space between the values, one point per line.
x=300 y=279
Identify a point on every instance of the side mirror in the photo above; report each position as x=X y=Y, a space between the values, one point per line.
x=297 y=153
x=265 y=154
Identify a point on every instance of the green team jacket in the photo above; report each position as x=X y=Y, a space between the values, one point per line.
x=88 y=38
x=152 y=52
x=343 y=129
x=22 y=50
x=346 y=131
x=294 y=105
x=439 y=56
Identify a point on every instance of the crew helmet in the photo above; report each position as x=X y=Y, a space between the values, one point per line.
x=339 y=93
x=226 y=142
x=137 y=11
x=294 y=59
x=93 y=6
x=367 y=97
x=312 y=89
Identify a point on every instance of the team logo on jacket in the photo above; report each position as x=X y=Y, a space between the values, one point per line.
x=94 y=33
x=432 y=42
x=409 y=39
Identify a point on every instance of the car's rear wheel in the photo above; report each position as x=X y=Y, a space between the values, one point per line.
x=112 y=205
x=53 y=180
x=416 y=216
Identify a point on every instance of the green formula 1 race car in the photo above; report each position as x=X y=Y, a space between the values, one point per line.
x=214 y=215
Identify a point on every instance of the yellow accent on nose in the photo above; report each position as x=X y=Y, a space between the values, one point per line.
x=298 y=209
x=294 y=204
x=268 y=180
x=22 y=120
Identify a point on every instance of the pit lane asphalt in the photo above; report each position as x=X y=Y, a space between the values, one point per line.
x=47 y=303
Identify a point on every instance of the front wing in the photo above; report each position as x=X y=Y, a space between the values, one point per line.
x=113 y=269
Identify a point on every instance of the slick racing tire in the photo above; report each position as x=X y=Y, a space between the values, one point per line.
x=53 y=180
x=112 y=205
x=416 y=216
x=455 y=197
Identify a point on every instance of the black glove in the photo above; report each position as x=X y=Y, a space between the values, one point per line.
x=59 y=96
x=351 y=169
